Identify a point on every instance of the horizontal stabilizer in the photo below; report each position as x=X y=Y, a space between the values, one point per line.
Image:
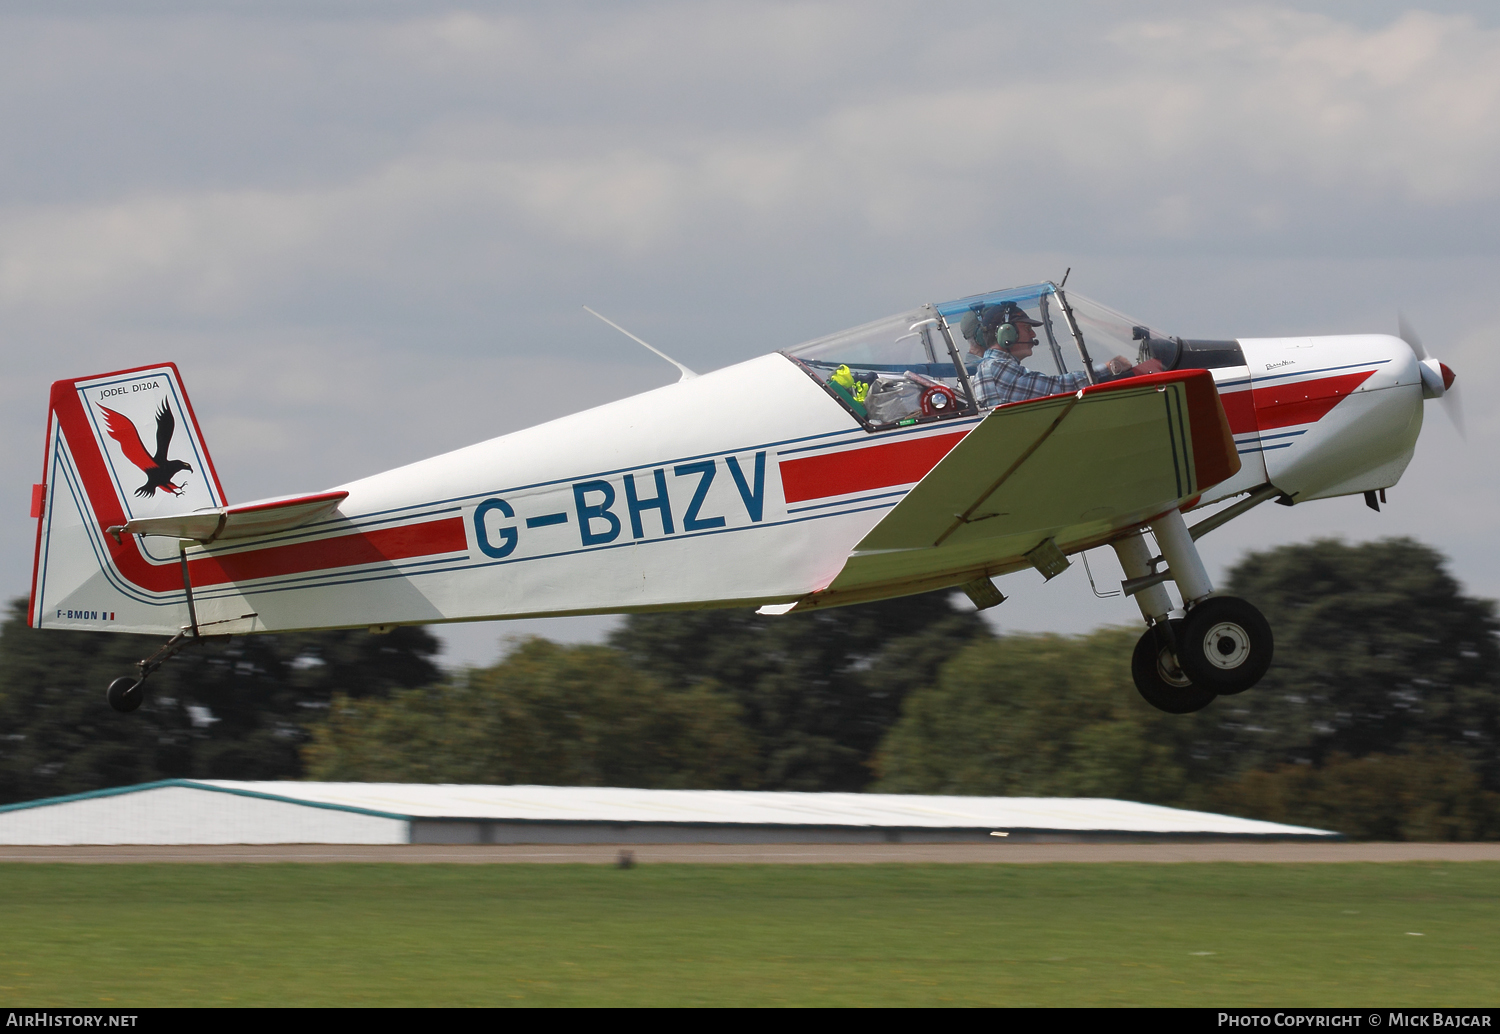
x=247 y=520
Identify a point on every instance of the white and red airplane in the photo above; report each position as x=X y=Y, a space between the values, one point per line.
x=860 y=466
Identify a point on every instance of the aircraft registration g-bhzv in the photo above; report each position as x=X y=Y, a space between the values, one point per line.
x=899 y=457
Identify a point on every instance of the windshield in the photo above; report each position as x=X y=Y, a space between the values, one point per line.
x=1106 y=333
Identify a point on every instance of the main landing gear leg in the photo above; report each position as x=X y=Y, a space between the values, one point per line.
x=1154 y=665
x=1225 y=644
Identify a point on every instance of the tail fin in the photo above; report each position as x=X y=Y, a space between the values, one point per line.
x=120 y=446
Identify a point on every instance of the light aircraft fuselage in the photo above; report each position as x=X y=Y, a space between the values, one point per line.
x=857 y=467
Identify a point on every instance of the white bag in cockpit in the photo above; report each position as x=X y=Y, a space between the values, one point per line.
x=890 y=401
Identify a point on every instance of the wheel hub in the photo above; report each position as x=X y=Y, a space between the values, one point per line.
x=1226 y=645
x=1170 y=672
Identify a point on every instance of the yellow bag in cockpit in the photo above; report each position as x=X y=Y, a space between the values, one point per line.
x=858 y=388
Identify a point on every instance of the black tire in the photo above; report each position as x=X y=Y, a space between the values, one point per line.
x=1164 y=686
x=125 y=694
x=1225 y=644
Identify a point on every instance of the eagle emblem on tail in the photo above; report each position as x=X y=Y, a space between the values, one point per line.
x=159 y=470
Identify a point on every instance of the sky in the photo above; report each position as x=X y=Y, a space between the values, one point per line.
x=365 y=231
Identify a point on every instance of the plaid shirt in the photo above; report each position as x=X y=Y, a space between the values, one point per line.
x=1003 y=379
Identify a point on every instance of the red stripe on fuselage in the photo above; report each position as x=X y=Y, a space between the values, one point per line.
x=1283 y=405
x=1305 y=402
x=369 y=547
x=859 y=470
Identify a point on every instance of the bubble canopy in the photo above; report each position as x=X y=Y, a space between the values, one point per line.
x=919 y=365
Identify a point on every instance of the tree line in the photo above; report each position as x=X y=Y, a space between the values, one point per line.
x=1379 y=718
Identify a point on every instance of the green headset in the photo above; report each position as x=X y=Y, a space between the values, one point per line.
x=1006 y=333
x=976 y=328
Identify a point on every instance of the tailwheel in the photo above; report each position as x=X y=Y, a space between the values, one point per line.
x=1225 y=644
x=1160 y=680
x=125 y=694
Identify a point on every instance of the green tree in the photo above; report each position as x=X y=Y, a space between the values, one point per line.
x=229 y=709
x=1377 y=719
x=1422 y=794
x=1378 y=651
x=549 y=714
x=1038 y=716
x=817 y=690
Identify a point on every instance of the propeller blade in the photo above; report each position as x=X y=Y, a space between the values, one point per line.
x=1409 y=334
x=1454 y=407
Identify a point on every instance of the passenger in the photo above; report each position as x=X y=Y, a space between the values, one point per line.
x=1003 y=336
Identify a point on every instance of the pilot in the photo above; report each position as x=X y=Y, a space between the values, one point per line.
x=1003 y=336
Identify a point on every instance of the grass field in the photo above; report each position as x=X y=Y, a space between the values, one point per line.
x=369 y=934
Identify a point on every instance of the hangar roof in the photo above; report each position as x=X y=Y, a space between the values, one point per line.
x=589 y=804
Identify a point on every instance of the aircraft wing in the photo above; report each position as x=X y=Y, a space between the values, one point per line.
x=246 y=520
x=1074 y=468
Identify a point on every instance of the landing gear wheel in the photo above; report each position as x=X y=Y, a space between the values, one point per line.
x=1225 y=644
x=125 y=694
x=1164 y=685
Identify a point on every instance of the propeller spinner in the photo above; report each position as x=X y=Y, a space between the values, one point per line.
x=1437 y=377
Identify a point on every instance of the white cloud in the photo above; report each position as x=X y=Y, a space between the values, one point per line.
x=1251 y=123
x=1413 y=106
